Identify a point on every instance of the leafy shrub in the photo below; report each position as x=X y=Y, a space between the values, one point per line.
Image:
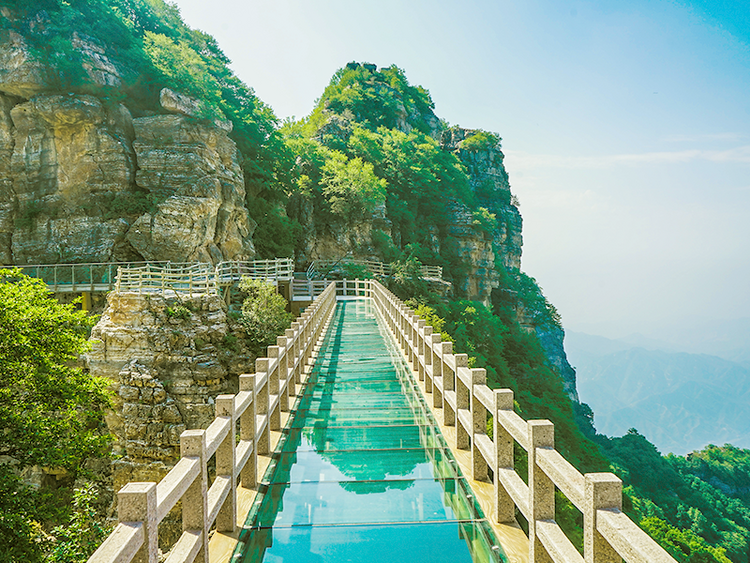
x=264 y=312
x=179 y=312
x=75 y=542
x=484 y=221
x=479 y=141
x=351 y=187
x=229 y=342
x=50 y=411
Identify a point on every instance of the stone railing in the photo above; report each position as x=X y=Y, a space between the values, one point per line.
x=307 y=290
x=461 y=398
x=257 y=408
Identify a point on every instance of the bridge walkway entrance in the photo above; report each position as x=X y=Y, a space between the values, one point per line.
x=362 y=469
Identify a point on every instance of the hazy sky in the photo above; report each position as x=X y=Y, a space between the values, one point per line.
x=626 y=128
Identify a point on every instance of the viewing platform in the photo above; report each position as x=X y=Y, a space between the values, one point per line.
x=363 y=437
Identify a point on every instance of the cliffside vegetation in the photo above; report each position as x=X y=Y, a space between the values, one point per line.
x=50 y=412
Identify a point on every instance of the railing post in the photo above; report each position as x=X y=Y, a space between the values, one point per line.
x=285 y=359
x=423 y=360
x=248 y=474
x=434 y=354
x=195 y=499
x=541 y=487
x=264 y=400
x=136 y=502
x=290 y=332
x=463 y=402
x=479 y=420
x=442 y=367
x=504 y=506
x=602 y=490
x=226 y=519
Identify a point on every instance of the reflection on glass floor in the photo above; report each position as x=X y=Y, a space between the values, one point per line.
x=362 y=472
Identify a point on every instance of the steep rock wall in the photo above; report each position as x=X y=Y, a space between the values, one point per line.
x=82 y=181
x=167 y=360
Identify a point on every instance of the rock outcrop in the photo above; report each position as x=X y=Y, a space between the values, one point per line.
x=71 y=159
x=484 y=251
x=192 y=169
x=167 y=360
x=82 y=181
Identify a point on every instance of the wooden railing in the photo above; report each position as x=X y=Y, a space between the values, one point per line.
x=461 y=398
x=231 y=272
x=193 y=278
x=96 y=276
x=102 y=276
x=321 y=268
x=257 y=408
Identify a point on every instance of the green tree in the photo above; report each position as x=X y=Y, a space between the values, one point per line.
x=75 y=542
x=50 y=411
x=263 y=312
x=351 y=186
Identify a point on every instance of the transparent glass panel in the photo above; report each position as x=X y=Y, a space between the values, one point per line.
x=362 y=472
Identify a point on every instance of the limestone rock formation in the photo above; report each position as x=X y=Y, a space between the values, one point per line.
x=167 y=359
x=484 y=251
x=71 y=159
x=179 y=103
x=21 y=74
x=69 y=190
x=194 y=169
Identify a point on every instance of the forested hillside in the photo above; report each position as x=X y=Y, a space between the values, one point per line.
x=373 y=172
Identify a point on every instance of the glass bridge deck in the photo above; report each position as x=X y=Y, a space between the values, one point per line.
x=362 y=473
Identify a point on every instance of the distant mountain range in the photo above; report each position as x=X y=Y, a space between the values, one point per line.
x=680 y=401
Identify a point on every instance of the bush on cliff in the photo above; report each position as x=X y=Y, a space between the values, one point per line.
x=50 y=411
x=264 y=312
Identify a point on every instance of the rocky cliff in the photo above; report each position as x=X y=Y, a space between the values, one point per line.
x=167 y=359
x=82 y=180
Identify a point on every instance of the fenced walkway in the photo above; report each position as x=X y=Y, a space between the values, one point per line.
x=459 y=401
x=102 y=277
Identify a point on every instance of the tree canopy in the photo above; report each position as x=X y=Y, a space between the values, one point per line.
x=50 y=410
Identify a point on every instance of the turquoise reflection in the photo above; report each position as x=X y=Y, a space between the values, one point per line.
x=363 y=473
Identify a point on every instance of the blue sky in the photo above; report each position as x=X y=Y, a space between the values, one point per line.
x=626 y=127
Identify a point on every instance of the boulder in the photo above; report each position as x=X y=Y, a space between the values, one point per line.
x=180 y=103
x=182 y=229
x=193 y=169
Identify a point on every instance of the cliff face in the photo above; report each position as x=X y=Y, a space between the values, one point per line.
x=485 y=251
x=85 y=182
x=81 y=180
x=167 y=360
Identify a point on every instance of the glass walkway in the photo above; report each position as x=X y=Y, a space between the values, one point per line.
x=362 y=473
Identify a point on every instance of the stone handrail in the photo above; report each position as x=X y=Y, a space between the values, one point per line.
x=307 y=290
x=461 y=396
x=257 y=408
